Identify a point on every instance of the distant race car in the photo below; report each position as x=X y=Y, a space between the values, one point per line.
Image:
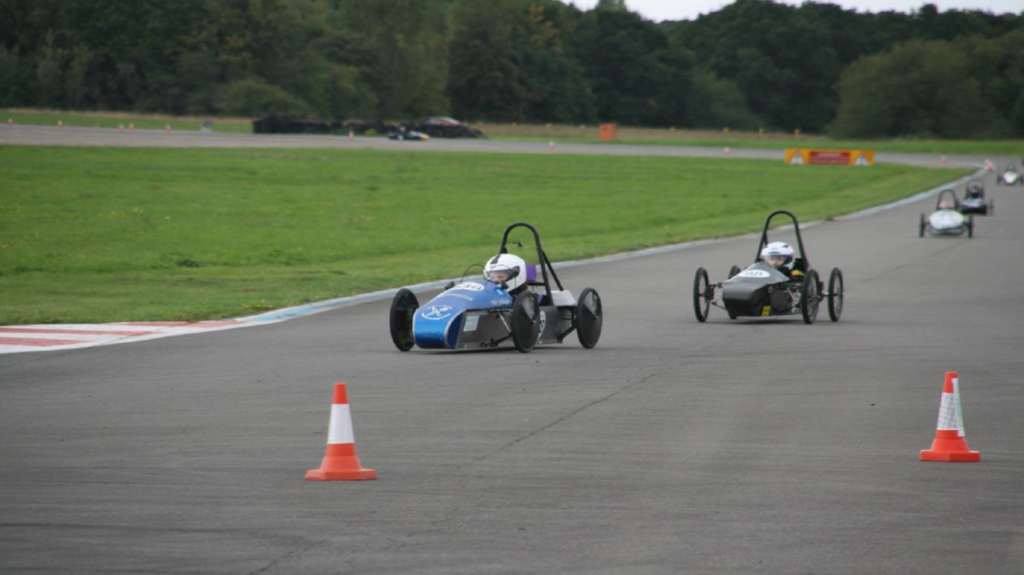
x=1010 y=177
x=946 y=220
x=974 y=200
x=404 y=134
x=443 y=127
x=761 y=290
x=477 y=313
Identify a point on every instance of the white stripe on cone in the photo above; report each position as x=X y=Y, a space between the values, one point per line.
x=340 y=427
x=950 y=415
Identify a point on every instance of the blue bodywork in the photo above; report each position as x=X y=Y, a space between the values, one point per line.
x=438 y=323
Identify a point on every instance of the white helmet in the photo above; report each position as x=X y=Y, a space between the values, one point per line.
x=778 y=250
x=506 y=270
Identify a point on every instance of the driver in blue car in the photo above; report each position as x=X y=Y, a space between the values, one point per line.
x=780 y=256
x=508 y=271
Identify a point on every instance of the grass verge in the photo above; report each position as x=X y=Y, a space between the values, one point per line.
x=109 y=234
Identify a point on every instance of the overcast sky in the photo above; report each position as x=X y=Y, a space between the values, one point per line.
x=658 y=10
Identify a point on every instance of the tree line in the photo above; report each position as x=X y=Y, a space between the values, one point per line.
x=753 y=64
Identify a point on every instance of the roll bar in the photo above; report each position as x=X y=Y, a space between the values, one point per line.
x=796 y=227
x=542 y=258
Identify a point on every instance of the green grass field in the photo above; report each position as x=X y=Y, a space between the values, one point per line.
x=586 y=134
x=102 y=234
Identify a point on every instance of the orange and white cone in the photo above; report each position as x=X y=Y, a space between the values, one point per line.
x=120 y=128
x=167 y=128
x=949 y=444
x=340 y=463
x=60 y=123
x=725 y=151
x=551 y=144
x=943 y=160
x=131 y=127
x=351 y=136
x=989 y=165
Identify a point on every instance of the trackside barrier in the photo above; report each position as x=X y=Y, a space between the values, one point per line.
x=801 y=156
x=340 y=462
x=949 y=444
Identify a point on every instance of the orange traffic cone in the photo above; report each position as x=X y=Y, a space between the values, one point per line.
x=942 y=160
x=949 y=444
x=167 y=128
x=725 y=151
x=340 y=463
x=551 y=144
x=351 y=136
x=10 y=121
x=131 y=127
x=60 y=123
x=120 y=128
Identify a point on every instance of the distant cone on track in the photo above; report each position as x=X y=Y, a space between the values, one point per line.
x=340 y=463
x=949 y=444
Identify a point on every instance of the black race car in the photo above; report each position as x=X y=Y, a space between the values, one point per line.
x=763 y=291
x=974 y=200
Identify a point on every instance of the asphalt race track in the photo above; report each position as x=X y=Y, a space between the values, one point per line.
x=673 y=447
x=30 y=135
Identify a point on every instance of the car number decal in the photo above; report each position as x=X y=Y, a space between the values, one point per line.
x=754 y=274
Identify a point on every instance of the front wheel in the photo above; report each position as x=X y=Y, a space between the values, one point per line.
x=809 y=298
x=589 y=318
x=701 y=302
x=920 y=228
x=970 y=227
x=525 y=322
x=403 y=309
x=835 y=294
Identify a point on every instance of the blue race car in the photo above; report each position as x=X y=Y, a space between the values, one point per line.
x=514 y=303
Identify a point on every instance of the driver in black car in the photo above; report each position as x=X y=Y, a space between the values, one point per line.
x=780 y=256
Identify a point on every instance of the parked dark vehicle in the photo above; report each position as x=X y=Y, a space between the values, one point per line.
x=272 y=124
x=442 y=127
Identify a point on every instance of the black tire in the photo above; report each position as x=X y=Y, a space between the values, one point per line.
x=403 y=309
x=525 y=322
x=835 y=294
x=701 y=304
x=589 y=318
x=733 y=271
x=809 y=297
x=920 y=229
x=970 y=227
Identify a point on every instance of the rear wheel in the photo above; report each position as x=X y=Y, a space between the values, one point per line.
x=403 y=309
x=589 y=318
x=920 y=229
x=525 y=322
x=970 y=227
x=809 y=297
x=835 y=294
x=701 y=302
